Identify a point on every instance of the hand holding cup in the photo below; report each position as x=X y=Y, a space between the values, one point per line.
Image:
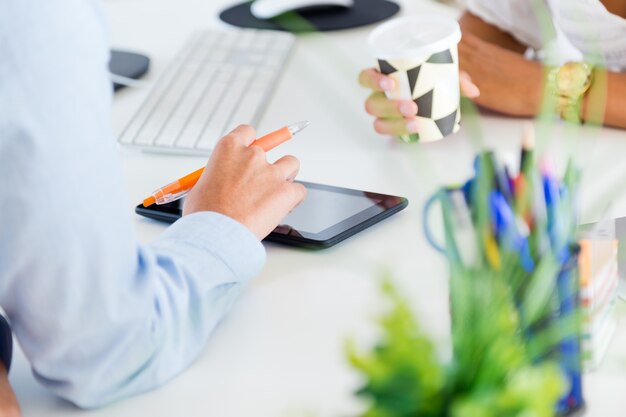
x=399 y=117
x=417 y=83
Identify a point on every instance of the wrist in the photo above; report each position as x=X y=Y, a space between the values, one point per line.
x=522 y=94
x=568 y=86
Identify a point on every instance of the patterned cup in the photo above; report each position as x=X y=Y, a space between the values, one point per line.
x=420 y=53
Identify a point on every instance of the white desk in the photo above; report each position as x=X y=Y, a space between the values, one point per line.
x=280 y=351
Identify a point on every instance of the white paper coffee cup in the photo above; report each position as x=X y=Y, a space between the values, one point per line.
x=420 y=53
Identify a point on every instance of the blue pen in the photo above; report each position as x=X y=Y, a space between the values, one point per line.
x=510 y=231
x=513 y=231
x=467 y=189
x=553 y=202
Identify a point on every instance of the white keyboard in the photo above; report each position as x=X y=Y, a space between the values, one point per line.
x=218 y=81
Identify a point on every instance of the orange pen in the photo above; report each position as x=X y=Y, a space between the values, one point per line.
x=180 y=187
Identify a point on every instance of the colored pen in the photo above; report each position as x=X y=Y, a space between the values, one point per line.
x=492 y=252
x=180 y=187
x=512 y=232
x=501 y=177
x=552 y=197
x=528 y=144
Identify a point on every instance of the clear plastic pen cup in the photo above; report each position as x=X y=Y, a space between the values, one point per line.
x=420 y=53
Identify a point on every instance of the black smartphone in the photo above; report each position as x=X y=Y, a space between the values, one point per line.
x=327 y=216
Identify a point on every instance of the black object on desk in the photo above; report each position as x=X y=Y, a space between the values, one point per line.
x=128 y=65
x=327 y=216
x=364 y=12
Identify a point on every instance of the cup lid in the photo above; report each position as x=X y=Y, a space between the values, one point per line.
x=413 y=36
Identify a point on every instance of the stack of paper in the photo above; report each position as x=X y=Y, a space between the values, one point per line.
x=599 y=283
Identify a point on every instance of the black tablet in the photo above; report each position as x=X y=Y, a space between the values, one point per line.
x=326 y=217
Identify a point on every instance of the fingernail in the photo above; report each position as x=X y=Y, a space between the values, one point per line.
x=413 y=126
x=408 y=108
x=386 y=84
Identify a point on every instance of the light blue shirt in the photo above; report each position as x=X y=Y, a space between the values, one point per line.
x=99 y=316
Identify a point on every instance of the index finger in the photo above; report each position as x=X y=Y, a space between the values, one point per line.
x=374 y=80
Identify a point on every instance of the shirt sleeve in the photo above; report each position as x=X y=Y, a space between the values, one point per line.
x=518 y=18
x=6 y=343
x=99 y=316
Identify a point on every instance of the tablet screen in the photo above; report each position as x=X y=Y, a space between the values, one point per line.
x=323 y=209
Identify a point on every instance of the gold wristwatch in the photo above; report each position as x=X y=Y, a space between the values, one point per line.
x=569 y=83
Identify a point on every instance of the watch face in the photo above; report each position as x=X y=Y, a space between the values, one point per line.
x=573 y=78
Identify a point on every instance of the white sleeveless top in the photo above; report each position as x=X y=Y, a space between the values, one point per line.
x=585 y=29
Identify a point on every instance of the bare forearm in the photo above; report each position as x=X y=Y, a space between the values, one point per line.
x=470 y=23
x=489 y=53
x=508 y=82
x=494 y=59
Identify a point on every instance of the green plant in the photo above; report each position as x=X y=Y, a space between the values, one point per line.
x=491 y=372
x=403 y=376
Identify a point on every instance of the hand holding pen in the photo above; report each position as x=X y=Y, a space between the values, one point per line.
x=179 y=188
x=239 y=182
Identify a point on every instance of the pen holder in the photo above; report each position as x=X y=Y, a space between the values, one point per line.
x=569 y=353
x=448 y=248
x=545 y=299
x=514 y=307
